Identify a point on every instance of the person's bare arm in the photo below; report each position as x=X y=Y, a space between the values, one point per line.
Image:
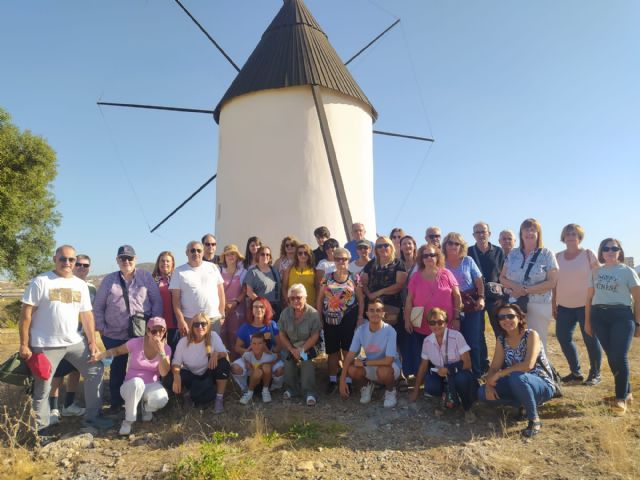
x=89 y=330
x=26 y=313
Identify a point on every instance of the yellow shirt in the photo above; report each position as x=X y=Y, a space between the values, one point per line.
x=307 y=278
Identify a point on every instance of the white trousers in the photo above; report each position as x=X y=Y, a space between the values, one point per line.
x=539 y=317
x=153 y=396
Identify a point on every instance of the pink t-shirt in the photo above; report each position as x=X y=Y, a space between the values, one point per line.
x=573 y=278
x=433 y=293
x=139 y=365
x=456 y=346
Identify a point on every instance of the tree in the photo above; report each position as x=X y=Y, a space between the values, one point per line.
x=27 y=205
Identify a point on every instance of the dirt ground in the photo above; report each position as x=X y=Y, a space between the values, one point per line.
x=339 y=438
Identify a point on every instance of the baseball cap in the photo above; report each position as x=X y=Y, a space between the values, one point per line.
x=156 y=322
x=40 y=365
x=126 y=250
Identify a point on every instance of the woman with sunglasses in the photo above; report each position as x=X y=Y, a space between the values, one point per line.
x=613 y=288
x=363 y=247
x=251 y=251
x=200 y=360
x=396 y=236
x=327 y=265
x=448 y=354
x=164 y=267
x=148 y=361
x=287 y=254
x=233 y=272
x=264 y=281
x=520 y=374
x=260 y=320
x=302 y=271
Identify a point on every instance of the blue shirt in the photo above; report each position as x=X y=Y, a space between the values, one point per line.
x=465 y=273
x=351 y=246
x=270 y=332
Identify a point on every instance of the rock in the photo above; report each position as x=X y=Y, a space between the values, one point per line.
x=306 y=466
x=62 y=448
x=318 y=465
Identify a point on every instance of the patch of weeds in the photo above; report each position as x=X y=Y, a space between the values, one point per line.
x=315 y=434
x=271 y=438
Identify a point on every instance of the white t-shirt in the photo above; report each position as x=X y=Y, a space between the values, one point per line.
x=198 y=289
x=59 y=301
x=326 y=266
x=251 y=359
x=193 y=356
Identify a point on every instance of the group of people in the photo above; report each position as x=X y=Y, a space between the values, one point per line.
x=383 y=311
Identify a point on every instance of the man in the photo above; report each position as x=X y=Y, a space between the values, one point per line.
x=197 y=287
x=210 y=245
x=489 y=259
x=507 y=241
x=322 y=234
x=65 y=369
x=433 y=236
x=113 y=311
x=357 y=233
x=51 y=305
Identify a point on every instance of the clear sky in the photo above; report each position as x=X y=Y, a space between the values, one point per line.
x=534 y=107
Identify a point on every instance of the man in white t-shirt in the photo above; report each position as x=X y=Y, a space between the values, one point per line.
x=49 y=325
x=197 y=287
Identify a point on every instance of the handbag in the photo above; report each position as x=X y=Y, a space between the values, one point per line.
x=417 y=313
x=523 y=301
x=391 y=314
x=494 y=292
x=469 y=300
x=137 y=321
x=15 y=371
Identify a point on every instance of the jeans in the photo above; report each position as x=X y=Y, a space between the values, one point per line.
x=566 y=321
x=614 y=327
x=412 y=350
x=472 y=329
x=117 y=371
x=465 y=384
x=520 y=388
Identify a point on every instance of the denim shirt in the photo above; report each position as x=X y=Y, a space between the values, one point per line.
x=545 y=262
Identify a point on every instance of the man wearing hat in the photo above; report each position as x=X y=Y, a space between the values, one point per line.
x=197 y=287
x=113 y=311
x=49 y=327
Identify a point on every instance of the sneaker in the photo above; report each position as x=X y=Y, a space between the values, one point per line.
x=44 y=437
x=248 y=395
x=144 y=415
x=125 y=428
x=619 y=407
x=73 y=410
x=332 y=388
x=613 y=399
x=365 y=393
x=573 y=377
x=277 y=383
x=286 y=395
x=266 y=395
x=311 y=401
x=99 y=423
x=390 y=398
x=219 y=406
x=592 y=379
x=54 y=417
x=428 y=395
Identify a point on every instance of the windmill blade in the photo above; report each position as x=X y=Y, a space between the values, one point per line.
x=208 y=36
x=155 y=107
x=184 y=203
x=371 y=42
x=401 y=135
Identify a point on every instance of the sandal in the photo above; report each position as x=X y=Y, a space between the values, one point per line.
x=533 y=428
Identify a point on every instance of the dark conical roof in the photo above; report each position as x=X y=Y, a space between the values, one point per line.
x=293 y=51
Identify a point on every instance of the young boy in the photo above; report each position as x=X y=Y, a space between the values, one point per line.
x=259 y=363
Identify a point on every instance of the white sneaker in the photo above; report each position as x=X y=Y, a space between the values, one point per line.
x=73 y=410
x=286 y=395
x=266 y=395
x=365 y=393
x=54 y=417
x=311 y=401
x=145 y=416
x=390 y=399
x=247 y=396
x=125 y=428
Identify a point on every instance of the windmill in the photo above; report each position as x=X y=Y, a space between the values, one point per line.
x=295 y=112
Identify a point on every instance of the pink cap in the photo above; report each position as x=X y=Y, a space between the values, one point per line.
x=156 y=322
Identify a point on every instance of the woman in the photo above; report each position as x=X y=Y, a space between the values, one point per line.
x=471 y=285
x=396 y=237
x=264 y=281
x=233 y=273
x=260 y=322
x=448 y=353
x=363 y=247
x=148 y=361
x=302 y=271
x=250 y=255
x=431 y=286
x=530 y=272
x=327 y=265
x=608 y=315
x=408 y=254
x=520 y=374
x=341 y=307
x=569 y=297
x=287 y=254
x=165 y=264
x=299 y=327
x=201 y=359
x=409 y=344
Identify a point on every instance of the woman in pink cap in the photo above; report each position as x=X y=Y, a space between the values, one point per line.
x=148 y=361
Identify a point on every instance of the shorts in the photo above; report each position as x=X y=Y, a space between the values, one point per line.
x=339 y=337
x=64 y=369
x=370 y=372
x=240 y=363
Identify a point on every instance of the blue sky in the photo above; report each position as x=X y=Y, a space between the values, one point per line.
x=533 y=105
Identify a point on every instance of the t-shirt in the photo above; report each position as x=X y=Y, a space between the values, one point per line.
x=251 y=359
x=573 y=279
x=264 y=284
x=339 y=298
x=377 y=345
x=517 y=267
x=456 y=346
x=326 y=266
x=465 y=273
x=198 y=289
x=193 y=356
x=139 y=365
x=270 y=332
x=306 y=277
x=613 y=285
x=433 y=293
x=355 y=268
x=299 y=332
x=383 y=276
x=59 y=301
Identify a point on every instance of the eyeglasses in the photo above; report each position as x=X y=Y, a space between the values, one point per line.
x=301 y=253
x=67 y=259
x=364 y=247
x=265 y=254
x=611 y=249
x=456 y=244
x=126 y=258
x=83 y=265
x=433 y=323
x=505 y=316
x=157 y=331
x=481 y=232
x=210 y=244
x=296 y=297
x=259 y=306
x=433 y=236
x=289 y=245
x=199 y=324
x=397 y=236
x=429 y=255
x=196 y=250
x=380 y=246
x=375 y=310
x=341 y=259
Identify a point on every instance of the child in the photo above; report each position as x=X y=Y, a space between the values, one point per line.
x=258 y=362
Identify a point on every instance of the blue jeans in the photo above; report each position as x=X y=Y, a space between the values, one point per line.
x=614 y=327
x=472 y=329
x=520 y=388
x=464 y=382
x=566 y=321
x=410 y=352
x=117 y=371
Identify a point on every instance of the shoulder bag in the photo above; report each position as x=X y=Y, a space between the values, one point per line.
x=137 y=321
x=523 y=301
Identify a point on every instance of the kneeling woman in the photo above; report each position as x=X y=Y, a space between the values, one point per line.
x=148 y=361
x=382 y=362
x=448 y=353
x=520 y=374
x=200 y=359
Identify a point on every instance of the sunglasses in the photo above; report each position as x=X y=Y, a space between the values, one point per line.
x=341 y=259
x=126 y=258
x=301 y=253
x=433 y=323
x=364 y=247
x=67 y=259
x=382 y=245
x=157 y=331
x=397 y=236
x=289 y=245
x=429 y=255
x=454 y=243
x=434 y=236
x=199 y=324
x=196 y=250
x=265 y=254
x=505 y=316
x=611 y=249
x=296 y=297
x=83 y=265
x=210 y=244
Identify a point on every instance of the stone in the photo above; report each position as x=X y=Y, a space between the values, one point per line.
x=61 y=448
x=306 y=466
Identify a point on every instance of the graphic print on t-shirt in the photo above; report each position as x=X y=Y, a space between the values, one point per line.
x=64 y=295
x=608 y=283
